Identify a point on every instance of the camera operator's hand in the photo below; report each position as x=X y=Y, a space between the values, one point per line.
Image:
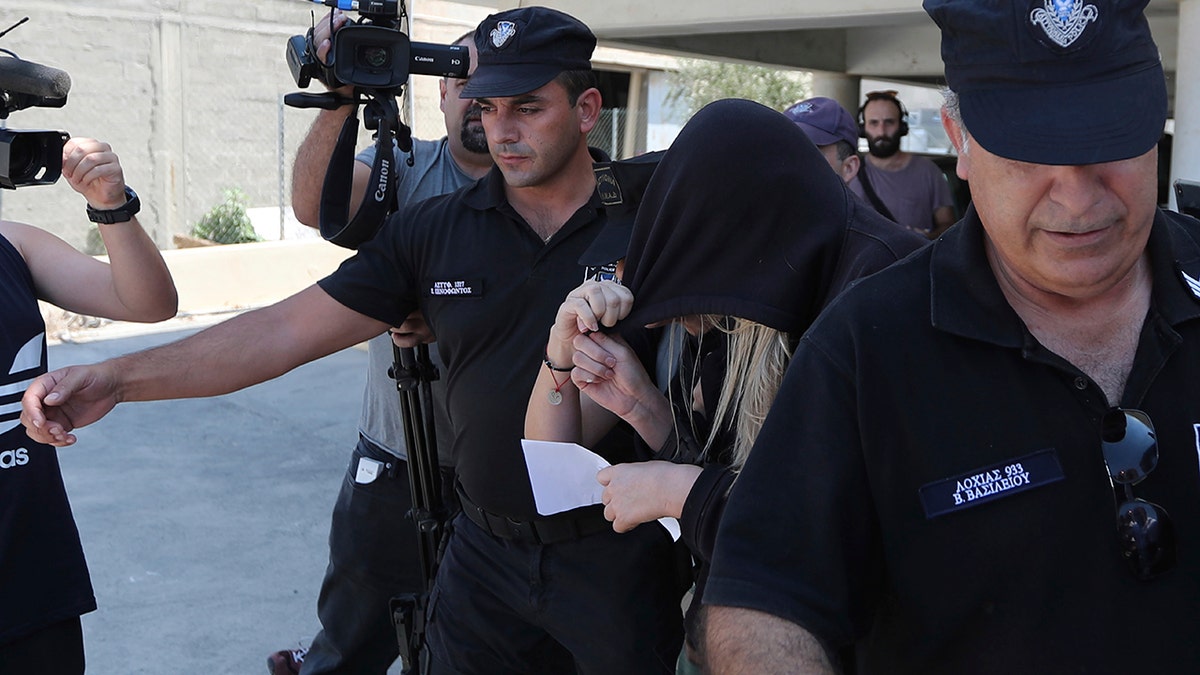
x=322 y=40
x=414 y=331
x=93 y=170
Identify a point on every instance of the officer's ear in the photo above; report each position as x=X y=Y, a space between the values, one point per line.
x=961 y=142
x=588 y=107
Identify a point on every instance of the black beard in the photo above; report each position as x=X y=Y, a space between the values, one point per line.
x=473 y=139
x=884 y=146
x=471 y=134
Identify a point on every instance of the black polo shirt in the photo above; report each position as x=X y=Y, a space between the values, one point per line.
x=929 y=486
x=489 y=288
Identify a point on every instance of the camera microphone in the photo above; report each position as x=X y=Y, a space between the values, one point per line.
x=26 y=77
x=30 y=157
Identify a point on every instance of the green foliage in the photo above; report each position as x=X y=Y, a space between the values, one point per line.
x=698 y=83
x=227 y=222
x=94 y=245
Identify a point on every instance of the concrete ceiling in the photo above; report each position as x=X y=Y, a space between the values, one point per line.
x=885 y=39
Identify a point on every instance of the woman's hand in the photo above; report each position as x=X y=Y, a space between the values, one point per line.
x=610 y=374
x=585 y=310
x=640 y=492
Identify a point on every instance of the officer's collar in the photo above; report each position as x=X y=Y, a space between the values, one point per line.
x=489 y=192
x=1175 y=263
x=965 y=298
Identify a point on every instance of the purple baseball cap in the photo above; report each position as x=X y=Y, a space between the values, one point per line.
x=824 y=121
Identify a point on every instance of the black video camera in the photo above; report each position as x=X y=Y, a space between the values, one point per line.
x=373 y=53
x=376 y=57
x=30 y=157
x=1187 y=197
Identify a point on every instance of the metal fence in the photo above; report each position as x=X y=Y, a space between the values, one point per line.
x=620 y=132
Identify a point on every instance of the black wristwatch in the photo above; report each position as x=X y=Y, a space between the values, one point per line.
x=120 y=214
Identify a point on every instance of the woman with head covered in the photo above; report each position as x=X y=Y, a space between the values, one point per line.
x=742 y=236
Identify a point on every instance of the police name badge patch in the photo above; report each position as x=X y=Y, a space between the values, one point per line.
x=991 y=483
x=471 y=288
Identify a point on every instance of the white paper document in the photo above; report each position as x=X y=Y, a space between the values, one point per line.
x=563 y=476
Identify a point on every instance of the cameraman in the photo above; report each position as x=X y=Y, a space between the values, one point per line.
x=45 y=587
x=372 y=550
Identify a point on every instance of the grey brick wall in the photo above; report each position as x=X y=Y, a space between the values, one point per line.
x=188 y=93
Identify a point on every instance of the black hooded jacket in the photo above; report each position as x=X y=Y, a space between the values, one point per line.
x=744 y=217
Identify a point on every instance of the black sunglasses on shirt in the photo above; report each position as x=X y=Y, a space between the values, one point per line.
x=1145 y=530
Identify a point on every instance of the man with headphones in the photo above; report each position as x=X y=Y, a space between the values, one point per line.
x=910 y=190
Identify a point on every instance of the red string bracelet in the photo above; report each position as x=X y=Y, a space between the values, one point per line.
x=555 y=397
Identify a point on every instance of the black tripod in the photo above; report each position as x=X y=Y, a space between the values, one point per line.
x=414 y=371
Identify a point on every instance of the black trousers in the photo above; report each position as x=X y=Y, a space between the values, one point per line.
x=372 y=558
x=603 y=604
x=54 y=650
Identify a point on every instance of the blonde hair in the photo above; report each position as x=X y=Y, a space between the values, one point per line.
x=755 y=362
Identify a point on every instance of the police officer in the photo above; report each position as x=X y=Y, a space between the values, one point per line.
x=983 y=458
x=516 y=592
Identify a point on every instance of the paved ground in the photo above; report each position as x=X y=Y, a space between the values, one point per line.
x=205 y=521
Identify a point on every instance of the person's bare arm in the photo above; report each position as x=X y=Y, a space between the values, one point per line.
x=740 y=640
x=312 y=160
x=245 y=350
x=556 y=411
x=134 y=286
x=312 y=157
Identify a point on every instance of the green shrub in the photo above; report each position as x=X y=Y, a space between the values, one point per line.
x=700 y=82
x=95 y=243
x=227 y=222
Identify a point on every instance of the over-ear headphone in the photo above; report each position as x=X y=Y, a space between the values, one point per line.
x=886 y=95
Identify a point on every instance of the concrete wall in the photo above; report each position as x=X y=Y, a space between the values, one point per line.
x=189 y=94
x=217 y=281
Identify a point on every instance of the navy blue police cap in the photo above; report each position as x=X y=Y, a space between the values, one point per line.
x=522 y=49
x=1066 y=82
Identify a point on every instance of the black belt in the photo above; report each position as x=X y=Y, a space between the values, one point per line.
x=560 y=527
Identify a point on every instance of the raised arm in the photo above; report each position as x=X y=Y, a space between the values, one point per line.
x=556 y=410
x=134 y=286
x=312 y=158
x=245 y=350
x=740 y=640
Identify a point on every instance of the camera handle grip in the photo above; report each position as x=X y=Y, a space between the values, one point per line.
x=326 y=101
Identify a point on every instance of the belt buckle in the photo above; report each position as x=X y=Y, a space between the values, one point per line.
x=523 y=530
